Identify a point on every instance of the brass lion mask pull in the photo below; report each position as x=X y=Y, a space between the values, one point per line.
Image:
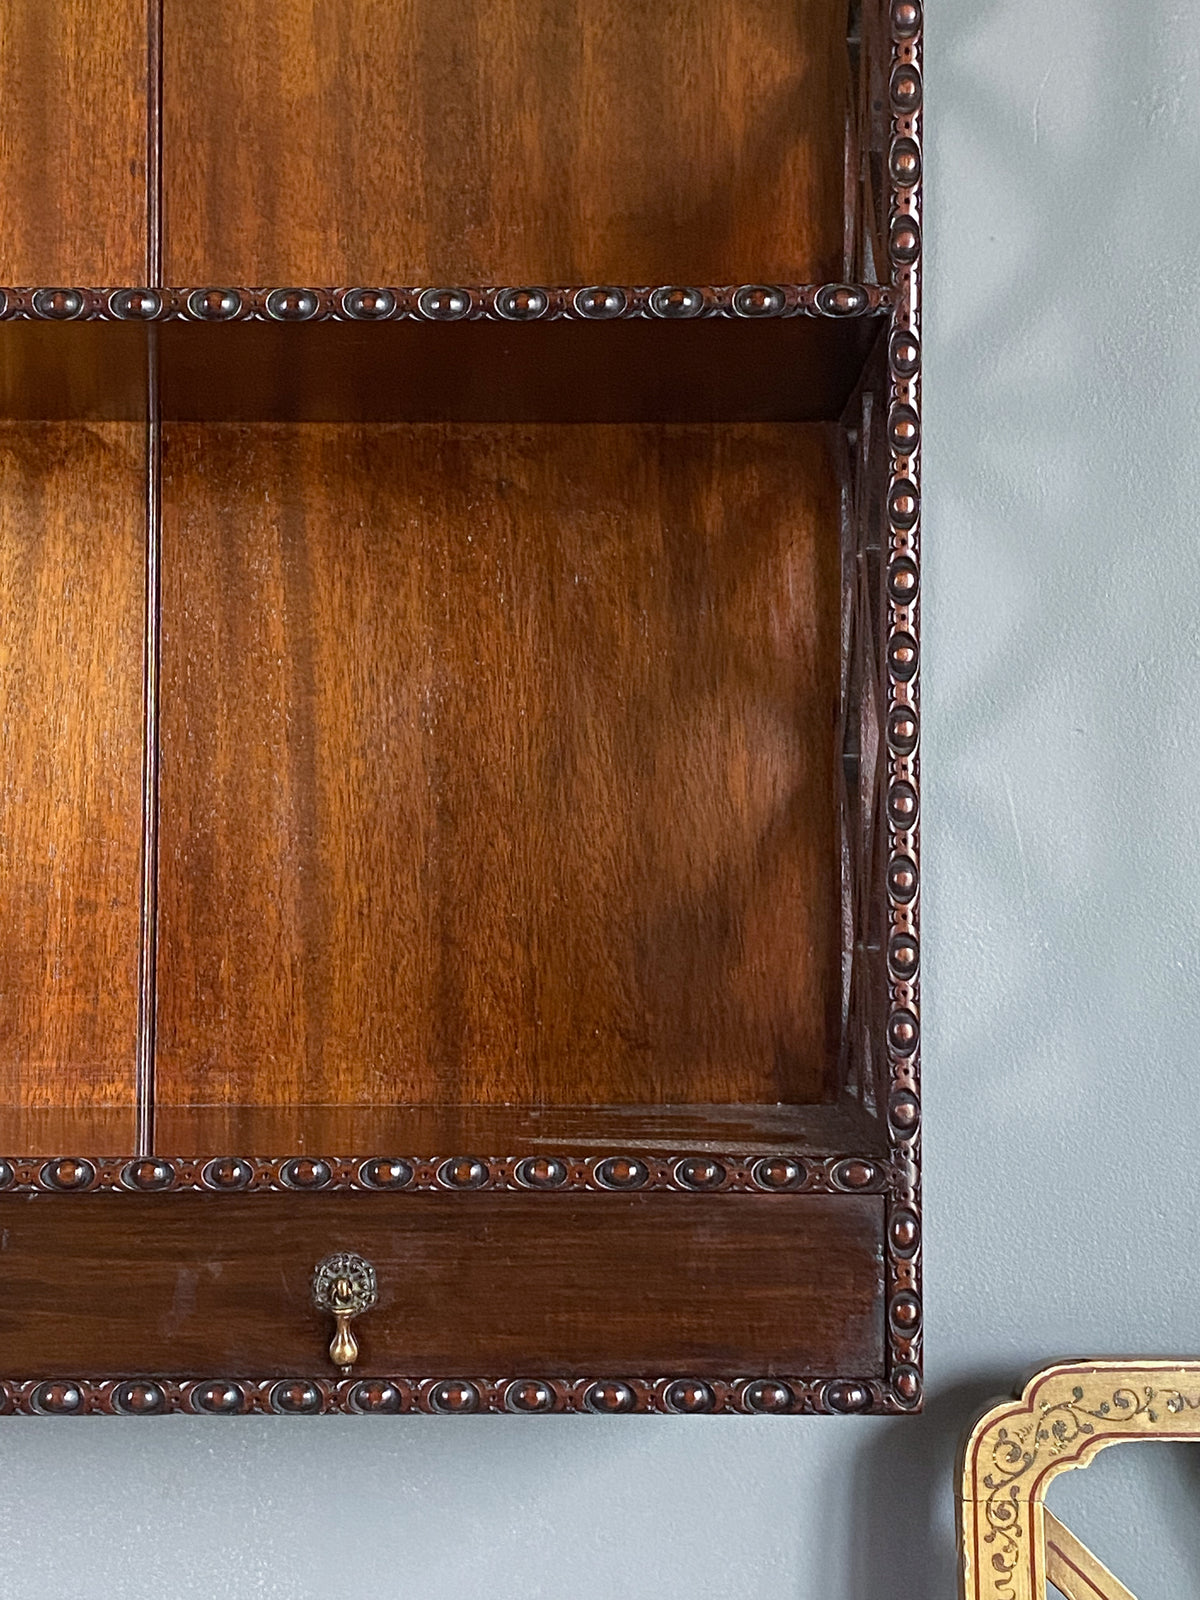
x=344 y=1286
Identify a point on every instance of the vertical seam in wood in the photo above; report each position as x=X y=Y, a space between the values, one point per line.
x=154 y=145
x=148 y=951
x=151 y=647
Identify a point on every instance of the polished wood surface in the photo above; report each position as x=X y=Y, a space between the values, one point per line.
x=59 y=1130
x=73 y=371
x=498 y=765
x=73 y=141
x=468 y=1284
x=494 y=141
x=817 y=1129
x=71 y=593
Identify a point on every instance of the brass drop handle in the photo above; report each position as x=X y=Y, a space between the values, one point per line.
x=343 y=1352
x=344 y=1286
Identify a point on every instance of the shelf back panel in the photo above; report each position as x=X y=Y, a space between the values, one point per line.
x=497 y=764
x=494 y=141
x=72 y=532
x=73 y=157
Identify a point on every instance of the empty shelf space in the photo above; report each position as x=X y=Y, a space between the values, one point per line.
x=765 y=352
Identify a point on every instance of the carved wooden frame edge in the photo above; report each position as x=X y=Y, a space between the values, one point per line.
x=673 y=1394
x=901 y=669
x=686 y=1172
x=444 y=304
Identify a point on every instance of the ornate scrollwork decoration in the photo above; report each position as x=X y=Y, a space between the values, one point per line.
x=1064 y=1416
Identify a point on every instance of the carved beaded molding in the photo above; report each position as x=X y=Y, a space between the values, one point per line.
x=701 y=1173
x=382 y=1396
x=590 y=303
x=903 y=506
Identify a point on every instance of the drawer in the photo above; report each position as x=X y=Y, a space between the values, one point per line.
x=564 y=1287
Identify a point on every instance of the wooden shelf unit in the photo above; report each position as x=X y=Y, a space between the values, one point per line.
x=460 y=798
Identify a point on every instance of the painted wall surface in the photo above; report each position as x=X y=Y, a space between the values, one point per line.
x=1062 y=688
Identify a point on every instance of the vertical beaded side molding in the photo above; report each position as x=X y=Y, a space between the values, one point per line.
x=880 y=719
x=880 y=724
x=902 y=719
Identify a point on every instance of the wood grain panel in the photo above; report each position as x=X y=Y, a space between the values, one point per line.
x=564 y=1285
x=73 y=371
x=60 y=1130
x=498 y=764
x=73 y=141
x=71 y=593
x=503 y=141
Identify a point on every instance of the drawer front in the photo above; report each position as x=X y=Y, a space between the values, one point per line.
x=565 y=1285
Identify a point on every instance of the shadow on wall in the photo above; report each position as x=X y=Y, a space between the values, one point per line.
x=904 y=1486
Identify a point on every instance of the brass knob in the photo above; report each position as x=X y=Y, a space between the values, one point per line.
x=344 y=1286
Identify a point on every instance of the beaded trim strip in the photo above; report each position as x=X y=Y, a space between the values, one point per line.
x=590 y=303
x=686 y=1173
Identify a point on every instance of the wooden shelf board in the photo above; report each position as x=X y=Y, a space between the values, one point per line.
x=194 y=1131
x=713 y=367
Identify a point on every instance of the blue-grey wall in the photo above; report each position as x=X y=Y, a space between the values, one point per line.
x=1062 y=685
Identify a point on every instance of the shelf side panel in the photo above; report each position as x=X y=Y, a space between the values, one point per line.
x=71 y=592
x=476 y=141
x=498 y=764
x=73 y=200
